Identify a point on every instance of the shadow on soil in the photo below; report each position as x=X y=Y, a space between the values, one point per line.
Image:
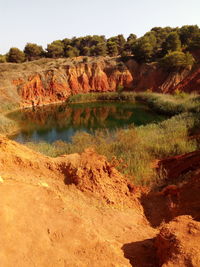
x=156 y=209
x=141 y=253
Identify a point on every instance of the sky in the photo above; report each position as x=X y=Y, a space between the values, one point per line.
x=43 y=21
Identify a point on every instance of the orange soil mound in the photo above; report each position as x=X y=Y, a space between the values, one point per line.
x=78 y=210
x=46 y=220
x=89 y=171
x=92 y=173
x=178 y=243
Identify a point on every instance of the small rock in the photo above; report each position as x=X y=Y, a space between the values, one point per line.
x=43 y=184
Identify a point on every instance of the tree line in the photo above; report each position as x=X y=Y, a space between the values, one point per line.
x=169 y=46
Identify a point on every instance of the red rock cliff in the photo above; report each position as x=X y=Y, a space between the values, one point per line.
x=58 y=82
x=46 y=81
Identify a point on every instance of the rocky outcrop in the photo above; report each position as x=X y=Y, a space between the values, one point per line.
x=179 y=165
x=191 y=83
x=150 y=77
x=47 y=81
x=181 y=196
x=58 y=83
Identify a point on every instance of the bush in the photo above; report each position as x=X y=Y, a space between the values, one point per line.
x=111 y=96
x=55 y=49
x=15 y=55
x=177 y=60
x=33 y=51
x=2 y=58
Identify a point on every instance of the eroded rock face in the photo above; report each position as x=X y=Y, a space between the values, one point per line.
x=176 y=166
x=48 y=81
x=191 y=83
x=178 y=243
x=57 y=84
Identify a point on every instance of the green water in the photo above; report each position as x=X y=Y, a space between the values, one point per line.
x=61 y=122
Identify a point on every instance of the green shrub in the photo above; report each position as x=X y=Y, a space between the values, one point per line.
x=176 y=60
x=15 y=55
x=109 y=96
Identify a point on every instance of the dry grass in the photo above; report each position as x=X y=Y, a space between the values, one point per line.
x=7 y=126
x=135 y=147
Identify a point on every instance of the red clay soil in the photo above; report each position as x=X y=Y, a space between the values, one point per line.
x=47 y=220
x=191 y=83
x=172 y=201
x=92 y=173
x=179 y=165
x=181 y=196
x=78 y=210
x=178 y=243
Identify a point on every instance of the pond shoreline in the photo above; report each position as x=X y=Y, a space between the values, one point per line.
x=61 y=122
x=161 y=104
x=95 y=96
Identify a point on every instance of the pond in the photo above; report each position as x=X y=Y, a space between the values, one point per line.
x=61 y=122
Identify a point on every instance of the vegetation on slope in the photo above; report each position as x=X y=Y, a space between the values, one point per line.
x=7 y=125
x=171 y=104
x=108 y=96
x=168 y=44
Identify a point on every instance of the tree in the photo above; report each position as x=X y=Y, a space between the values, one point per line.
x=176 y=60
x=143 y=48
x=120 y=42
x=86 y=51
x=128 y=46
x=33 y=51
x=172 y=43
x=161 y=34
x=2 y=58
x=55 y=49
x=132 y=38
x=188 y=33
x=15 y=55
x=71 y=51
x=112 y=48
x=100 y=49
x=66 y=42
x=195 y=42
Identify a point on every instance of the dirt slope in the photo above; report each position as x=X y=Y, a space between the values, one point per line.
x=181 y=196
x=178 y=243
x=46 y=222
x=78 y=210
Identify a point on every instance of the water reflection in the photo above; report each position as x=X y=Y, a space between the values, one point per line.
x=61 y=122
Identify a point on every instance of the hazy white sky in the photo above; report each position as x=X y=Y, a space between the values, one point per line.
x=42 y=21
